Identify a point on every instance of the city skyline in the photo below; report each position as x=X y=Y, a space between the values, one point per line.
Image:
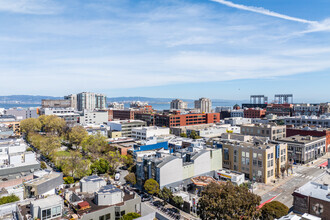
x=187 y=49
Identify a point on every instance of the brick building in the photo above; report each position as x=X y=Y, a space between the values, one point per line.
x=254 y=113
x=280 y=109
x=186 y=119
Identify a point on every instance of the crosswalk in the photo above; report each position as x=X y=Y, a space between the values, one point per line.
x=303 y=176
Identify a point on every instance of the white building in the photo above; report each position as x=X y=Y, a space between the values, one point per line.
x=237 y=113
x=235 y=177
x=214 y=131
x=322 y=121
x=116 y=106
x=109 y=195
x=178 y=104
x=91 y=184
x=204 y=105
x=143 y=133
x=306 y=109
x=237 y=121
x=126 y=126
x=94 y=117
x=22 y=113
x=68 y=114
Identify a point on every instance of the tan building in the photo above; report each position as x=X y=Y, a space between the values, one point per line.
x=261 y=162
x=273 y=131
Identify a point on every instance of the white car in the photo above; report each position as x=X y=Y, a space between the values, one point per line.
x=117 y=176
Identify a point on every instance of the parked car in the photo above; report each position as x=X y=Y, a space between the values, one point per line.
x=117 y=176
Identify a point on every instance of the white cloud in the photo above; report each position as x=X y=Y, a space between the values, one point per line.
x=29 y=6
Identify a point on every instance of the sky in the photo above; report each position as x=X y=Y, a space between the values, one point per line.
x=219 y=49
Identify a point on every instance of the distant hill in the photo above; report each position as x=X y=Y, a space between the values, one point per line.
x=30 y=99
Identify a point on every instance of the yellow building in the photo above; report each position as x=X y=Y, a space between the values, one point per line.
x=261 y=162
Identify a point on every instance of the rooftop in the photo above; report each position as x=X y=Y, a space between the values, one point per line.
x=43 y=179
x=301 y=139
x=108 y=189
x=93 y=178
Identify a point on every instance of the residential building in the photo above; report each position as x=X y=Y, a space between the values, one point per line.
x=322 y=121
x=280 y=109
x=116 y=105
x=258 y=160
x=68 y=114
x=173 y=120
x=94 y=117
x=254 y=113
x=5 y=132
x=50 y=207
x=138 y=104
x=272 y=130
x=237 y=113
x=126 y=126
x=56 y=103
x=107 y=202
x=91 y=184
x=125 y=114
x=325 y=108
x=222 y=108
x=303 y=149
x=16 y=164
x=314 y=197
x=212 y=131
x=22 y=113
x=305 y=216
x=178 y=104
x=186 y=163
x=43 y=186
x=145 y=133
x=90 y=101
x=204 y=105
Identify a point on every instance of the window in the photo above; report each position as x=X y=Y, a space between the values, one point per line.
x=259 y=163
x=254 y=155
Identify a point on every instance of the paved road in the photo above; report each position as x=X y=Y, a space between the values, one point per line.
x=301 y=176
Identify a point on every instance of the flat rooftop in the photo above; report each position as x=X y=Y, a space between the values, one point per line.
x=301 y=139
x=43 y=179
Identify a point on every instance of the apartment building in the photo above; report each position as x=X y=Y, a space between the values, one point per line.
x=90 y=101
x=56 y=103
x=178 y=104
x=303 y=149
x=68 y=114
x=307 y=109
x=237 y=113
x=22 y=113
x=258 y=160
x=94 y=117
x=272 y=131
x=116 y=105
x=204 y=105
x=279 y=109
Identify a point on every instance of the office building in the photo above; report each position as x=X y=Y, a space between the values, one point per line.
x=126 y=126
x=303 y=149
x=56 y=103
x=204 y=105
x=90 y=101
x=68 y=114
x=94 y=117
x=186 y=163
x=22 y=113
x=306 y=109
x=280 y=109
x=73 y=100
x=322 y=121
x=144 y=133
x=116 y=106
x=178 y=104
x=272 y=131
x=258 y=160
x=237 y=113
x=254 y=113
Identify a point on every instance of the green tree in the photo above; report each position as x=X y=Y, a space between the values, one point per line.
x=95 y=145
x=68 y=180
x=128 y=160
x=194 y=135
x=77 y=135
x=8 y=199
x=151 y=186
x=130 y=178
x=183 y=135
x=274 y=210
x=75 y=165
x=43 y=165
x=227 y=201
x=166 y=194
x=52 y=124
x=100 y=166
x=30 y=125
x=115 y=160
x=178 y=201
x=130 y=216
x=49 y=144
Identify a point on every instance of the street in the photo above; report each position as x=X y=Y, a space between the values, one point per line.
x=283 y=191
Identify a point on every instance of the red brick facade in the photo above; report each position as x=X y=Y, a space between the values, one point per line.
x=187 y=119
x=254 y=113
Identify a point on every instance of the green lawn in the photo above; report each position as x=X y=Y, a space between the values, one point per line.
x=62 y=154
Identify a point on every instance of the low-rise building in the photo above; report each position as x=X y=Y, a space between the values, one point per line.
x=187 y=163
x=94 y=117
x=322 y=121
x=90 y=184
x=22 y=113
x=259 y=160
x=279 y=109
x=116 y=105
x=237 y=113
x=126 y=126
x=235 y=177
x=303 y=149
x=314 y=197
x=143 y=133
x=56 y=103
x=68 y=114
x=237 y=121
x=254 y=113
x=272 y=130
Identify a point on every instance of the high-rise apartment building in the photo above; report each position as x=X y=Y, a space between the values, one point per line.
x=204 y=105
x=179 y=104
x=87 y=101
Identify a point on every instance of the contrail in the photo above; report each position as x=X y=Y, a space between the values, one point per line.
x=264 y=12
